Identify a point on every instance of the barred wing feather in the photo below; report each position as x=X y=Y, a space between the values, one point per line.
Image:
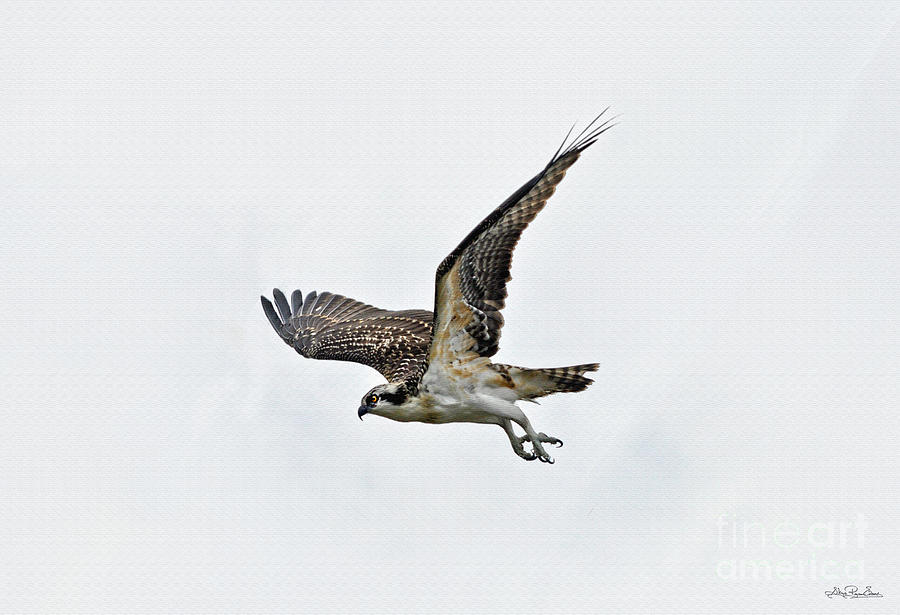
x=329 y=326
x=470 y=284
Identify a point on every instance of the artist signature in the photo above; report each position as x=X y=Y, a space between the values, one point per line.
x=852 y=591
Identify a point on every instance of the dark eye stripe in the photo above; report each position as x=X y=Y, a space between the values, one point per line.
x=397 y=398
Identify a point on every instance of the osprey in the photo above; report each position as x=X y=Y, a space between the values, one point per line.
x=438 y=365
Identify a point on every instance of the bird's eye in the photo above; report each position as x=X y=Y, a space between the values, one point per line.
x=373 y=399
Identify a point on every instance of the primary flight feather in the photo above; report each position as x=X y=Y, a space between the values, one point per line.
x=437 y=364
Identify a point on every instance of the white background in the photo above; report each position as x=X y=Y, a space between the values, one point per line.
x=728 y=253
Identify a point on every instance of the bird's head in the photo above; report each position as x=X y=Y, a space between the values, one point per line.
x=383 y=399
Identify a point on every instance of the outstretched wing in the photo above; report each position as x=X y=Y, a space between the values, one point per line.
x=470 y=284
x=330 y=326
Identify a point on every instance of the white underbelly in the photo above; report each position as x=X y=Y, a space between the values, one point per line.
x=476 y=407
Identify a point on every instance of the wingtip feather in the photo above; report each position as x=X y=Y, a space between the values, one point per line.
x=587 y=137
x=282 y=305
x=269 y=309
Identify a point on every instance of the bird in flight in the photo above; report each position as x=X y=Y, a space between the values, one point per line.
x=438 y=364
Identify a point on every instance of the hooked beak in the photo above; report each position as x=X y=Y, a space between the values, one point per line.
x=362 y=410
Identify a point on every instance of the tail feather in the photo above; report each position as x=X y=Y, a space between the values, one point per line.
x=532 y=383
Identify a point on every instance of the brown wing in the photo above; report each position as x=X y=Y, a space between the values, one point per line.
x=470 y=285
x=330 y=326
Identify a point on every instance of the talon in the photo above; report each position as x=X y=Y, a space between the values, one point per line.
x=538 y=451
